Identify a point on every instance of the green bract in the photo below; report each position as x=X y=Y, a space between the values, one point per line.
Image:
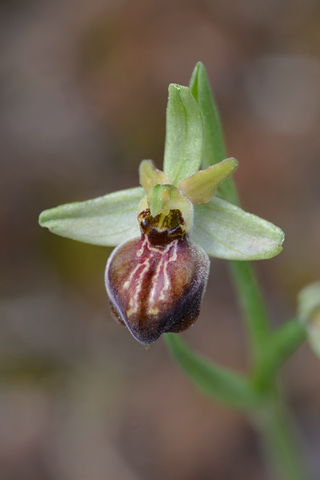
x=223 y=230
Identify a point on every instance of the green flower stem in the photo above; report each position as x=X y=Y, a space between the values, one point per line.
x=268 y=351
x=252 y=306
x=281 y=345
x=279 y=439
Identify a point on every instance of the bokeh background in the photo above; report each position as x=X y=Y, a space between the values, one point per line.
x=83 y=91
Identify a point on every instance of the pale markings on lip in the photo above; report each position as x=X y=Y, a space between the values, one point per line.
x=172 y=258
x=133 y=302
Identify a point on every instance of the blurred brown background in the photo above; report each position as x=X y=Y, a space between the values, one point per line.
x=83 y=90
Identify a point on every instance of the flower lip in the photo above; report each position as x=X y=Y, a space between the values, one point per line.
x=156 y=283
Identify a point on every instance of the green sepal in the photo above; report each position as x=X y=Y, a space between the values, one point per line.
x=184 y=135
x=107 y=220
x=213 y=150
x=224 y=385
x=226 y=231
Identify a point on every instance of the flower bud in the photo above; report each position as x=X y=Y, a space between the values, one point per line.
x=156 y=283
x=309 y=313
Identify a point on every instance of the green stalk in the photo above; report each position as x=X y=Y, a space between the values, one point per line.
x=271 y=420
x=252 y=305
x=279 y=440
x=281 y=345
x=269 y=352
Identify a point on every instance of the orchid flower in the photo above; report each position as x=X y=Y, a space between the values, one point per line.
x=165 y=229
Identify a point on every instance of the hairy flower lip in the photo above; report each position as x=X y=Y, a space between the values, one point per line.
x=155 y=289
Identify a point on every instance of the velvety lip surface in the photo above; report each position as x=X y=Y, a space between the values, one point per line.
x=156 y=283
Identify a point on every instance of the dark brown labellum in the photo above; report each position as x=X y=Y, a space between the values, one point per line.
x=156 y=283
